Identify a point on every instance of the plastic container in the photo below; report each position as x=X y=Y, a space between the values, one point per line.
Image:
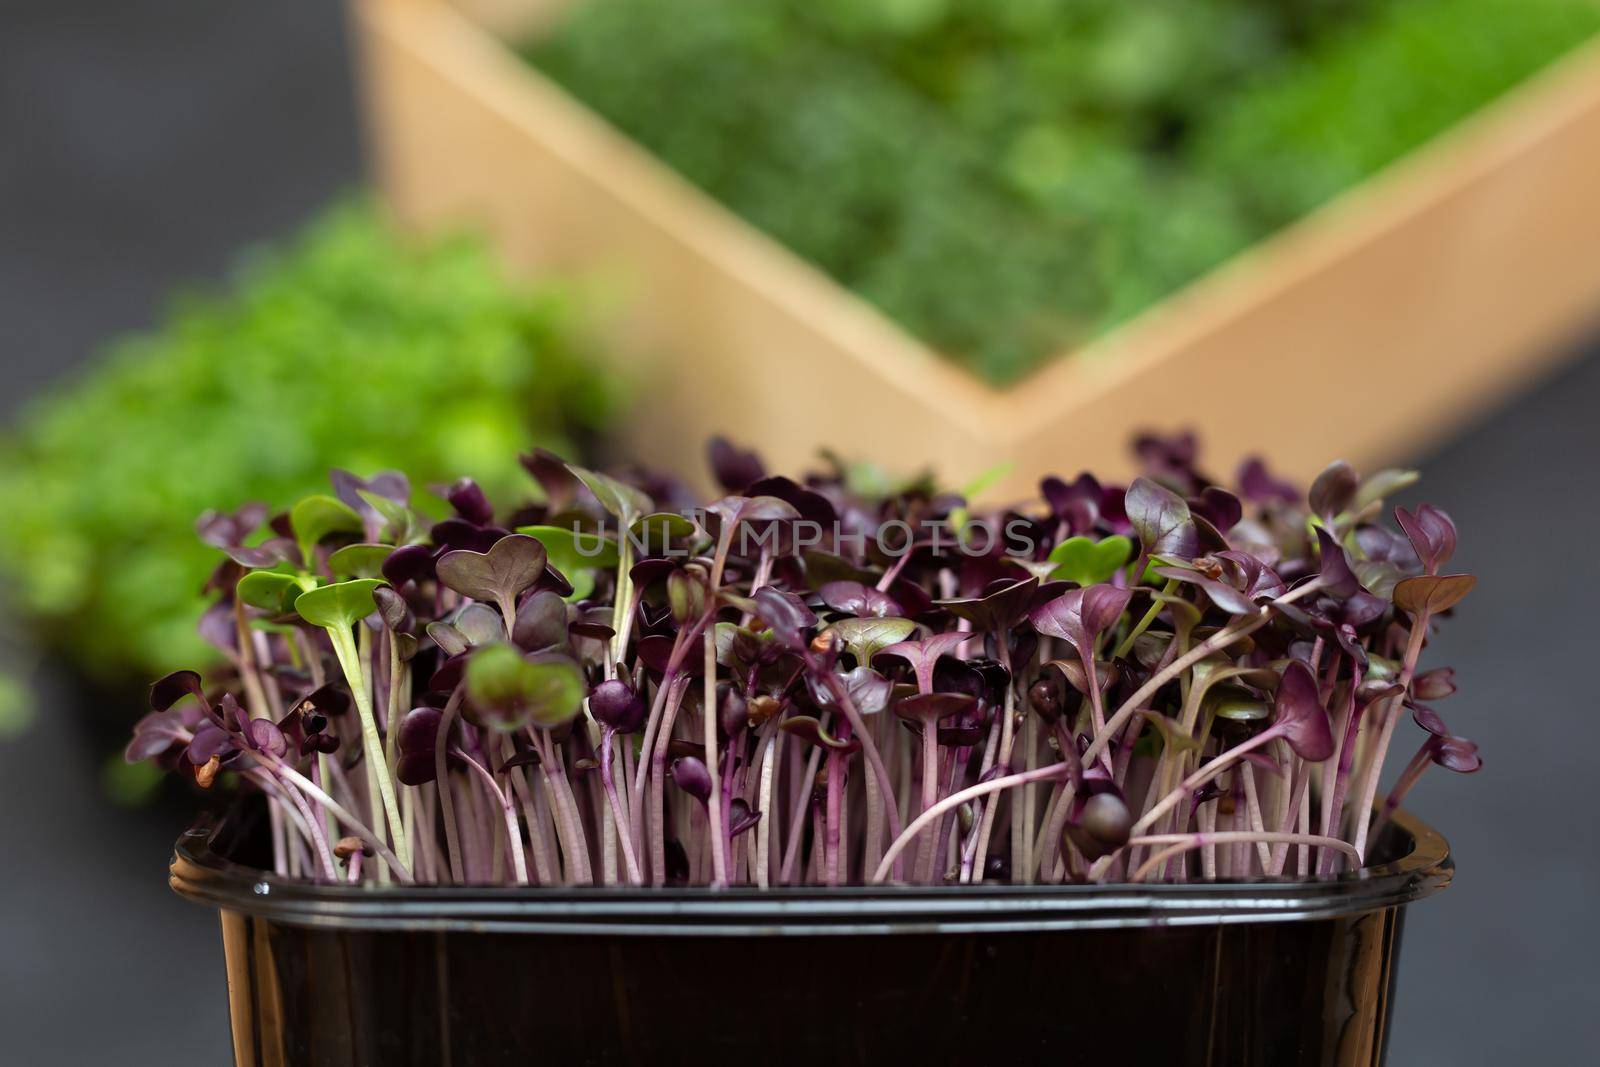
x=1276 y=973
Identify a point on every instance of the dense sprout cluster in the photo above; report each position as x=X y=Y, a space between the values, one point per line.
x=1114 y=150
x=832 y=680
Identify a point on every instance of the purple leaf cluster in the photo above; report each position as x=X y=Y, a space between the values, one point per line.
x=828 y=679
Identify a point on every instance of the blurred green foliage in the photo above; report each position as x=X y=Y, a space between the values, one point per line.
x=346 y=347
x=1378 y=89
x=15 y=706
x=1011 y=177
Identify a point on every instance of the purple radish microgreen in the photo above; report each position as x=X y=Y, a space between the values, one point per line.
x=508 y=691
x=1088 y=562
x=318 y=517
x=360 y=560
x=1162 y=520
x=336 y=609
x=865 y=638
x=499 y=576
x=1439 y=747
x=1179 y=679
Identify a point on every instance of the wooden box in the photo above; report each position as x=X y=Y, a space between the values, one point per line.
x=1366 y=331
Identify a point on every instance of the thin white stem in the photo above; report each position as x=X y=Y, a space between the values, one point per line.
x=1218 y=764
x=763 y=860
x=1022 y=829
x=1215 y=643
x=1183 y=842
x=1402 y=786
x=355 y=825
x=955 y=800
x=930 y=794
x=1008 y=741
x=1253 y=802
x=719 y=844
x=372 y=745
x=619 y=818
x=308 y=824
x=869 y=749
x=519 y=862
x=1300 y=785
x=802 y=806
x=574 y=841
x=1369 y=791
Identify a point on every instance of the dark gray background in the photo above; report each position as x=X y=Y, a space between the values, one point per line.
x=143 y=142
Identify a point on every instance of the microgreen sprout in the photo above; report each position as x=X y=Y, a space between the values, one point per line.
x=827 y=681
